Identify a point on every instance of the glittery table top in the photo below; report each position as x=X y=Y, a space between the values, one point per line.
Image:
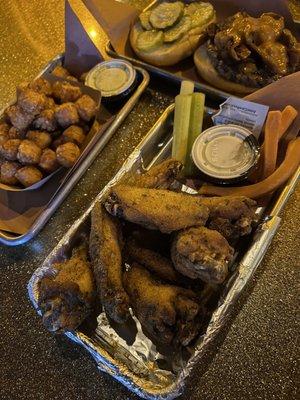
x=257 y=356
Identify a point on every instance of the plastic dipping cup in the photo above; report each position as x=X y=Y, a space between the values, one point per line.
x=114 y=79
x=226 y=153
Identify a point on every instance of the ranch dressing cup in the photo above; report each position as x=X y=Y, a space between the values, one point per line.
x=115 y=79
x=226 y=154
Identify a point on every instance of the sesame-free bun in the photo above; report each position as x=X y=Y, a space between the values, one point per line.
x=168 y=54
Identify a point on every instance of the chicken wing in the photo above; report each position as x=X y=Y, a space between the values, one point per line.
x=153 y=261
x=161 y=176
x=156 y=209
x=168 y=313
x=105 y=252
x=67 y=298
x=231 y=216
x=202 y=253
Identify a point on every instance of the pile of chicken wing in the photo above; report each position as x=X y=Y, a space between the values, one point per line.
x=44 y=129
x=159 y=251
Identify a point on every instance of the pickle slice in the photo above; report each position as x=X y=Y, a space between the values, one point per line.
x=144 y=20
x=200 y=13
x=166 y=15
x=149 y=40
x=178 y=30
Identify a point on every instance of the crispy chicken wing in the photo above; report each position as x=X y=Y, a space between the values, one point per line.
x=105 y=252
x=153 y=261
x=156 y=209
x=202 y=253
x=67 y=298
x=231 y=216
x=161 y=176
x=168 y=313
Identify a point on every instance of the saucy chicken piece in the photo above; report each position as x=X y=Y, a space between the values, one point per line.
x=29 y=153
x=86 y=107
x=170 y=314
x=66 y=114
x=40 y=138
x=48 y=161
x=67 y=298
x=8 y=171
x=28 y=175
x=157 y=209
x=9 y=149
x=105 y=253
x=67 y=154
x=202 y=253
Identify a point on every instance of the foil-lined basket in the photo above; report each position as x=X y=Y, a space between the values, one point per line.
x=129 y=356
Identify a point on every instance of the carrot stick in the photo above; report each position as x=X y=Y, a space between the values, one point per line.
x=270 y=148
x=287 y=118
x=287 y=168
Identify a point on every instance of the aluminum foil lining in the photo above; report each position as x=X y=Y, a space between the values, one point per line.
x=137 y=364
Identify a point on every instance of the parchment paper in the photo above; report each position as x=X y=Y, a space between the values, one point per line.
x=224 y=8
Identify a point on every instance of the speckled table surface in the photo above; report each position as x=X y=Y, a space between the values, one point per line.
x=256 y=359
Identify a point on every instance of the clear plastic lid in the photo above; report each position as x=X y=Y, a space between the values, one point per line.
x=225 y=152
x=111 y=77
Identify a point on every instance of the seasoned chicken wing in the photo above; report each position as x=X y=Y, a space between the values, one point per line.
x=105 y=253
x=168 y=313
x=153 y=261
x=156 y=209
x=67 y=298
x=231 y=216
x=202 y=253
x=161 y=176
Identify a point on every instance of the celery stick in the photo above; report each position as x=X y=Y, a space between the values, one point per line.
x=187 y=87
x=195 y=128
x=181 y=126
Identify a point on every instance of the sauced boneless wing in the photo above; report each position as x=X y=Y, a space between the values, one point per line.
x=156 y=209
x=168 y=313
x=161 y=176
x=105 y=253
x=202 y=253
x=67 y=298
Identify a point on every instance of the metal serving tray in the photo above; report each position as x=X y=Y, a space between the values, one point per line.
x=58 y=198
x=167 y=75
x=136 y=365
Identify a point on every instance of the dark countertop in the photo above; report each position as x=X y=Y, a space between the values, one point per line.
x=257 y=359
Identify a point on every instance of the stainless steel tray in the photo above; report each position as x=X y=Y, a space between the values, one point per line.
x=13 y=240
x=169 y=76
x=136 y=365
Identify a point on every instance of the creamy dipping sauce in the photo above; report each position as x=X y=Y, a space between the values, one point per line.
x=113 y=78
x=225 y=152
